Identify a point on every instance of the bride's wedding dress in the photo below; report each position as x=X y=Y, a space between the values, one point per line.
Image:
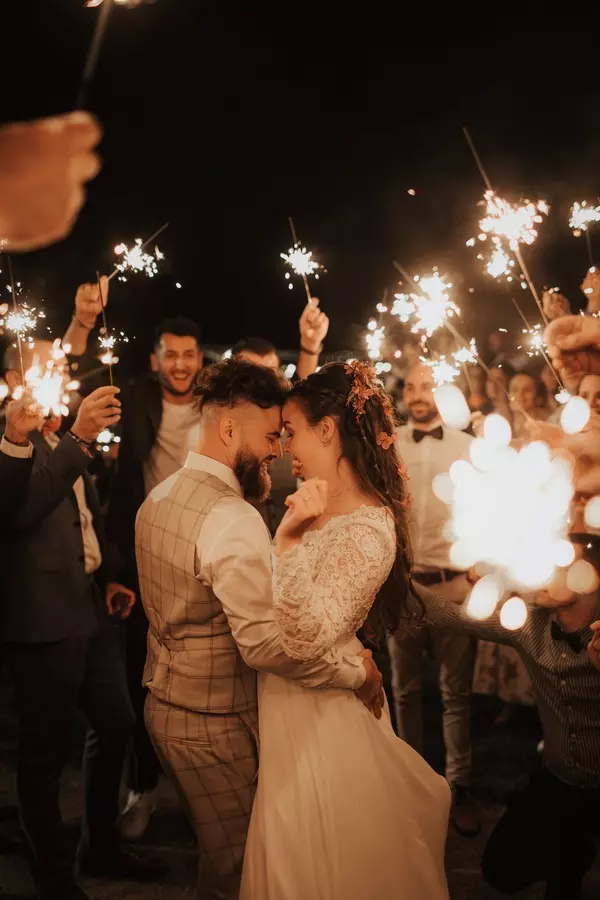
x=344 y=809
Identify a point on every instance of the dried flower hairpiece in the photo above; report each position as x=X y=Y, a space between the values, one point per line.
x=364 y=386
x=386 y=440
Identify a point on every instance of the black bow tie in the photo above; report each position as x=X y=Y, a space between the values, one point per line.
x=570 y=638
x=437 y=434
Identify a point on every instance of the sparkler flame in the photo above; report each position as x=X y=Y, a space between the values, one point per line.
x=301 y=262
x=374 y=339
x=430 y=307
x=21 y=321
x=508 y=225
x=135 y=259
x=530 y=492
x=467 y=354
x=582 y=216
x=442 y=370
x=49 y=385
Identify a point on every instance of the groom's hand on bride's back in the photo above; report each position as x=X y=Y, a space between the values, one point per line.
x=371 y=693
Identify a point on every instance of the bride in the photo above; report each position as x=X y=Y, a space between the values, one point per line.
x=344 y=810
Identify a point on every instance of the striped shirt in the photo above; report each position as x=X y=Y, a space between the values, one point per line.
x=566 y=684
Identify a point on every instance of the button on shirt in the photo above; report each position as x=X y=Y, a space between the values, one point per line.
x=91 y=546
x=234 y=560
x=429 y=515
x=566 y=684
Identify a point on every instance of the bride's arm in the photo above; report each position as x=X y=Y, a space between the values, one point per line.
x=313 y=615
x=238 y=568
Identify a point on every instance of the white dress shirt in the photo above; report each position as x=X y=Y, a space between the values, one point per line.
x=91 y=545
x=423 y=461
x=234 y=559
x=15 y=450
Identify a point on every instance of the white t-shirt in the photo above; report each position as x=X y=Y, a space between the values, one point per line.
x=177 y=435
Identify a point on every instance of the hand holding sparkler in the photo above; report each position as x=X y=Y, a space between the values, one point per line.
x=98 y=411
x=314 y=325
x=22 y=417
x=555 y=305
x=591 y=288
x=88 y=302
x=574 y=345
x=43 y=167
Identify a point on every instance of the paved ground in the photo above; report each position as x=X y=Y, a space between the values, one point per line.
x=502 y=758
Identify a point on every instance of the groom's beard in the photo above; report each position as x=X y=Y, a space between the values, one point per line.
x=253 y=476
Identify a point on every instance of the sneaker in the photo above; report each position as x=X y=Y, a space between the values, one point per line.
x=465 y=814
x=135 y=818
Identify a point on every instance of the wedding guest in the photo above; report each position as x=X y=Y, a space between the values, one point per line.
x=477 y=398
x=589 y=389
x=591 y=288
x=496 y=389
x=314 y=325
x=428 y=448
x=63 y=653
x=160 y=425
x=16 y=456
x=523 y=406
x=546 y=832
x=43 y=168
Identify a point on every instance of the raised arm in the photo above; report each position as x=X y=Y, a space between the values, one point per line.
x=240 y=576
x=445 y=614
x=313 y=614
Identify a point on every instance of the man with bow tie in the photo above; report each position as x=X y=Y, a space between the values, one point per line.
x=427 y=449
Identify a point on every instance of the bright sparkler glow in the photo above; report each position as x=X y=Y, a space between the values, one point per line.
x=530 y=492
x=107 y=343
x=374 y=339
x=582 y=216
x=93 y=3
x=508 y=225
x=443 y=371
x=135 y=259
x=22 y=321
x=467 y=354
x=48 y=385
x=536 y=340
x=430 y=307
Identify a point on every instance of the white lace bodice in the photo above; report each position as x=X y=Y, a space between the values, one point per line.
x=324 y=587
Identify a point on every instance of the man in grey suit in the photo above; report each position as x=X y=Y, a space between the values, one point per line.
x=64 y=655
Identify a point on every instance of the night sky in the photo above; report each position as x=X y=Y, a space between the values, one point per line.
x=225 y=121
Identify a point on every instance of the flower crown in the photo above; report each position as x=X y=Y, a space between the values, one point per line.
x=367 y=386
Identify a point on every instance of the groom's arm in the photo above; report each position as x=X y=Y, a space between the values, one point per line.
x=235 y=554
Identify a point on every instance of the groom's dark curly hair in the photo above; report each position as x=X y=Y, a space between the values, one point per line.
x=233 y=382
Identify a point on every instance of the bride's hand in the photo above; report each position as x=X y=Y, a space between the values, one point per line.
x=303 y=508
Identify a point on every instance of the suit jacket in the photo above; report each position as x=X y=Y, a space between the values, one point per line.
x=142 y=415
x=14 y=475
x=47 y=594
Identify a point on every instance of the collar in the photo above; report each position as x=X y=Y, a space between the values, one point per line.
x=429 y=426
x=207 y=464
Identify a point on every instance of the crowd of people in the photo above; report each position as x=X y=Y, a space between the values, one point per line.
x=222 y=557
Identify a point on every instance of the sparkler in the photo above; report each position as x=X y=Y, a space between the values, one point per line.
x=582 y=216
x=430 y=308
x=466 y=354
x=374 y=340
x=443 y=371
x=530 y=491
x=135 y=259
x=301 y=262
x=48 y=384
x=509 y=226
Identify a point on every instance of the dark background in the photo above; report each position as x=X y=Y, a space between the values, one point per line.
x=224 y=118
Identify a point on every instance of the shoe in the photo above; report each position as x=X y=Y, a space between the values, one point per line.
x=465 y=814
x=135 y=818
x=119 y=864
x=68 y=891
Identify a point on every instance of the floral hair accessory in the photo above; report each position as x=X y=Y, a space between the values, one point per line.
x=385 y=440
x=364 y=386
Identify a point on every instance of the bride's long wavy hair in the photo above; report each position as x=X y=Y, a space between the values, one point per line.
x=354 y=397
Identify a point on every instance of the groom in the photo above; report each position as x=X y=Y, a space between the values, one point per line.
x=204 y=565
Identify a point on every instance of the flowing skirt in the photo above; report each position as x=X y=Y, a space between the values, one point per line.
x=344 y=810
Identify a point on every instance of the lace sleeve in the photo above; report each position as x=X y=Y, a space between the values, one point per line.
x=314 y=611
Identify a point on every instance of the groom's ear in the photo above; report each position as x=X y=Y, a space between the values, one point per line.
x=226 y=430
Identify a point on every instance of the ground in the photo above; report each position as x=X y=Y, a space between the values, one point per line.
x=503 y=759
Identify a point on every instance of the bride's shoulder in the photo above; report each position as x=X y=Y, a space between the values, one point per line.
x=375 y=522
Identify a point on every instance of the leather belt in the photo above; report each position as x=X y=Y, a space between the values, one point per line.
x=437 y=577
